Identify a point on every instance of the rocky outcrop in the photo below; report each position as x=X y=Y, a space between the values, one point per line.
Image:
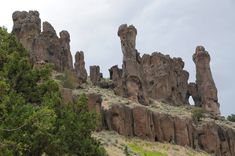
x=95 y=74
x=157 y=76
x=27 y=26
x=42 y=46
x=166 y=80
x=79 y=65
x=142 y=122
x=206 y=88
x=94 y=105
x=132 y=71
x=116 y=76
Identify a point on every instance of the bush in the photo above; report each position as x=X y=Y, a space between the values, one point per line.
x=33 y=120
x=197 y=114
x=69 y=80
x=231 y=118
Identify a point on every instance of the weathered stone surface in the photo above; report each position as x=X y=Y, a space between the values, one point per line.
x=206 y=87
x=67 y=95
x=166 y=80
x=119 y=118
x=193 y=91
x=119 y=84
x=95 y=75
x=26 y=26
x=144 y=123
x=132 y=69
x=94 y=104
x=157 y=76
x=67 y=60
x=43 y=46
x=80 y=67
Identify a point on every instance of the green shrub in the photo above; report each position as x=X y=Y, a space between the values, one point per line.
x=69 y=80
x=197 y=114
x=231 y=118
x=126 y=151
x=33 y=120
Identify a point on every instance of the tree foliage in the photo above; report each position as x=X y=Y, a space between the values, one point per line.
x=33 y=120
x=231 y=117
x=197 y=114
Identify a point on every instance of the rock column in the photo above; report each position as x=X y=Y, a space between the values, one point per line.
x=132 y=68
x=206 y=87
x=80 y=67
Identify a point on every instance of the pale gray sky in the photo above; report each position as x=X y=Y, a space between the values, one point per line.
x=173 y=27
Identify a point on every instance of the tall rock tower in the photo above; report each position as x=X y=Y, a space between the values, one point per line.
x=132 y=68
x=207 y=91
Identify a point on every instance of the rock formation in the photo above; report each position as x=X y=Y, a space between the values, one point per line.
x=79 y=65
x=42 y=46
x=166 y=80
x=206 y=88
x=116 y=76
x=27 y=26
x=132 y=69
x=157 y=75
x=139 y=121
x=94 y=105
x=95 y=74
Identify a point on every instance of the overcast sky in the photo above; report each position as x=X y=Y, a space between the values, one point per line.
x=173 y=27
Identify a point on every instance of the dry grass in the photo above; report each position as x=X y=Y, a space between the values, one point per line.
x=115 y=145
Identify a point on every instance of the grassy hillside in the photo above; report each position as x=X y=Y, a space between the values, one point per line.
x=117 y=145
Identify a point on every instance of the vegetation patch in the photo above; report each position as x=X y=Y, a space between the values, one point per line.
x=143 y=152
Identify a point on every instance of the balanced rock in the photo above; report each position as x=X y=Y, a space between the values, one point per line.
x=207 y=90
x=80 y=67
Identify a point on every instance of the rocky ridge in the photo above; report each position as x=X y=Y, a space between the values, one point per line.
x=145 y=88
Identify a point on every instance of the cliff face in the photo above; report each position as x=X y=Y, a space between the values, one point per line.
x=161 y=77
x=43 y=46
x=144 y=123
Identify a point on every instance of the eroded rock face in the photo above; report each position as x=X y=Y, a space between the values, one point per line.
x=132 y=69
x=95 y=74
x=157 y=76
x=166 y=80
x=67 y=60
x=207 y=91
x=119 y=119
x=94 y=104
x=27 y=26
x=43 y=46
x=80 y=67
x=116 y=76
x=144 y=123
